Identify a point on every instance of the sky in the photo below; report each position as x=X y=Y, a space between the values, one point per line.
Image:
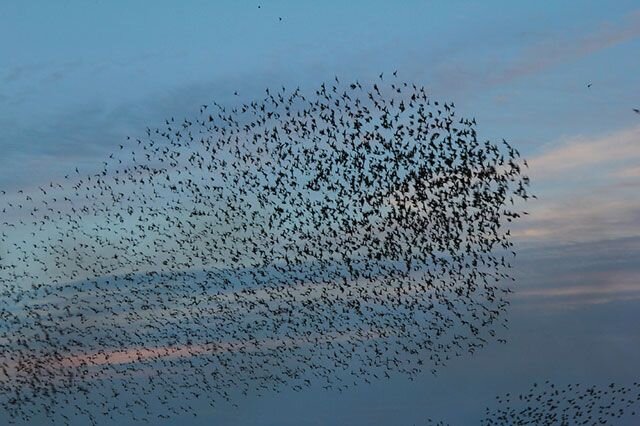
x=78 y=77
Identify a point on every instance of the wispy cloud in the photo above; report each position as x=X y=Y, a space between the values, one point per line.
x=145 y=354
x=588 y=189
x=588 y=154
x=462 y=75
x=554 y=51
x=592 y=284
x=579 y=275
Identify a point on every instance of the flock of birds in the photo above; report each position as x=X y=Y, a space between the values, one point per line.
x=330 y=238
x=334 y=238
x=549 y=404
x=574 y=404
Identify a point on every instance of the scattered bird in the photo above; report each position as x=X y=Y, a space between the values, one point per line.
x=550 y=404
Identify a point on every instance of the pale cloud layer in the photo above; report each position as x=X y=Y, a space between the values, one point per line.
x=554 y=51
x=582 y=290
x=588 y=187
x=583 y=154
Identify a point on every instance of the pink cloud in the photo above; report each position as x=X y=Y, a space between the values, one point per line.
x=585 y=152
x=579 y=290
x=569 y=210
x=134 y=355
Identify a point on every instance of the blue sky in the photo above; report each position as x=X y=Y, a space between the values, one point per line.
x=77 y=77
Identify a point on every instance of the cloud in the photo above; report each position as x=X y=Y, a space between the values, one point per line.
x=593 y=284
x=554 y=51
x=469 y=71
x=578 y=275
x=581 y=296
x=587 y=189
x=142 y=354
x=587 y=154
x=631 y=173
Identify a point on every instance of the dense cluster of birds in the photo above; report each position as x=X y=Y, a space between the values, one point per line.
x=329 y=238
x=549 y=404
